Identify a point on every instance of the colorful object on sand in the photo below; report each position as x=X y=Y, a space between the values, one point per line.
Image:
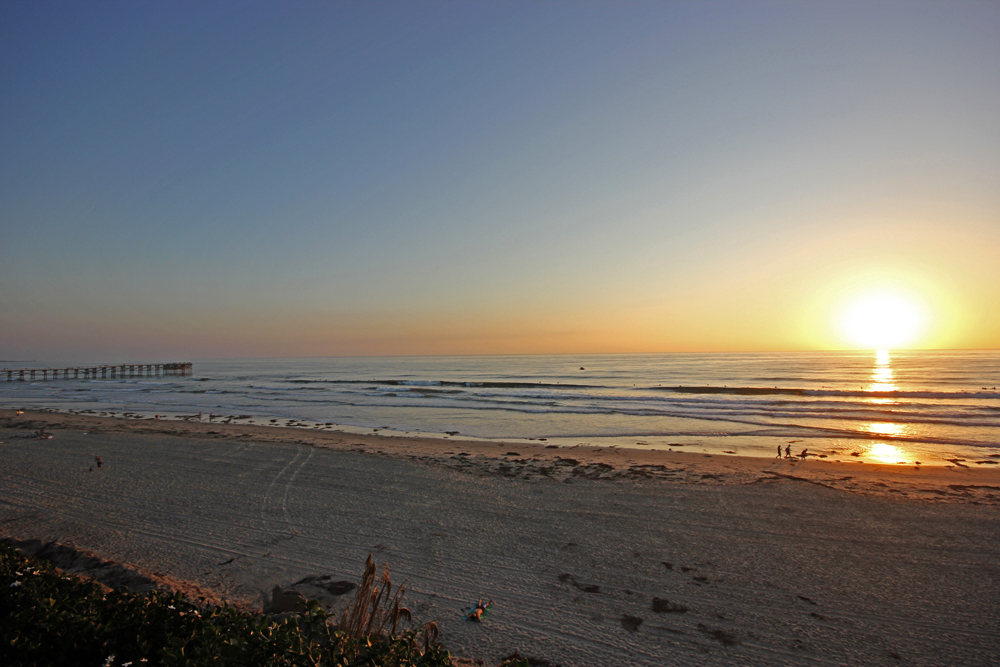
x=479 y=611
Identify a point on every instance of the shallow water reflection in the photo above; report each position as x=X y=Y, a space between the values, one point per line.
x=886 y=453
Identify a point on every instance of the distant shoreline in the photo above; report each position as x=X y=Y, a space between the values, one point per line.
x=490 y=454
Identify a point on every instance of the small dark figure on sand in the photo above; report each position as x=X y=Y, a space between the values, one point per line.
x=479 y=611
x=779 y=452
x=804 y=454
x=100 y=463
x=788 y=451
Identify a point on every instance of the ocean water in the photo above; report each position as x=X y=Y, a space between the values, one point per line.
x=893 y=407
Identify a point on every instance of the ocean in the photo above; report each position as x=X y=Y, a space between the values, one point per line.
x=890 y=407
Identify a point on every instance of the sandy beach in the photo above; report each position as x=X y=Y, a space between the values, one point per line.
x=593 y=556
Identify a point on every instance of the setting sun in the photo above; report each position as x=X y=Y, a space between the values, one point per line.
x=883 y=320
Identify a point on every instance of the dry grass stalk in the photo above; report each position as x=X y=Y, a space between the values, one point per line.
x=431 y=632
x=375 y=608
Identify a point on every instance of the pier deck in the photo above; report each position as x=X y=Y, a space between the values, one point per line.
x=94 y=372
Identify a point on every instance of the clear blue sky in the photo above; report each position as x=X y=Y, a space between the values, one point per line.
x=237 y=179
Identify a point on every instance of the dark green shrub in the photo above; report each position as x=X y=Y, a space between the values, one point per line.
x=50 y=619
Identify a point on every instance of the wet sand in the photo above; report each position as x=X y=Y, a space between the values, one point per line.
x=594 y=556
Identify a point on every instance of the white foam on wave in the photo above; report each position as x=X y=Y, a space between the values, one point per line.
x=258 y=386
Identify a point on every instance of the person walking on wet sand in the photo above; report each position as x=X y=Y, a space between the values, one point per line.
x=779 y=452
x=100 y=463
x=788 y=451
x=804 y=454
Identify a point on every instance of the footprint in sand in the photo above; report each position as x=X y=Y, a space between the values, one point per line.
x=586 y=588
x=720 y=636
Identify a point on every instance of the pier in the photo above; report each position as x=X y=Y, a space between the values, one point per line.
x=98 y=372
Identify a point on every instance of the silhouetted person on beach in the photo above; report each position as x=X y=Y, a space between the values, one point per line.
x=779 y=452
x=100 y=463
x=788 y=451
x=804 y=454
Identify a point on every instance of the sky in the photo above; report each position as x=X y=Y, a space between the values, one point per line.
x=244 y=179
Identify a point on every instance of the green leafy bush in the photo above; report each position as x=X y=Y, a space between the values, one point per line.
x=50 y=619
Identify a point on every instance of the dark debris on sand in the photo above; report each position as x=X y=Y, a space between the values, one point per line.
x=664 y=606
x=631 y=623
x=568 y=470
x=562 y=469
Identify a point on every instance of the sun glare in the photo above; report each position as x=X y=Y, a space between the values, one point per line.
x=886 y=453
x=883 y=320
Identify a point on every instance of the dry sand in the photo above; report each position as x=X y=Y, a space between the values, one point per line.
x=592 y=556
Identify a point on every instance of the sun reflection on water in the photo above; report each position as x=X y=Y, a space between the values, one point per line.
x=882 y=377
x=882 y=381
x=885 y=428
